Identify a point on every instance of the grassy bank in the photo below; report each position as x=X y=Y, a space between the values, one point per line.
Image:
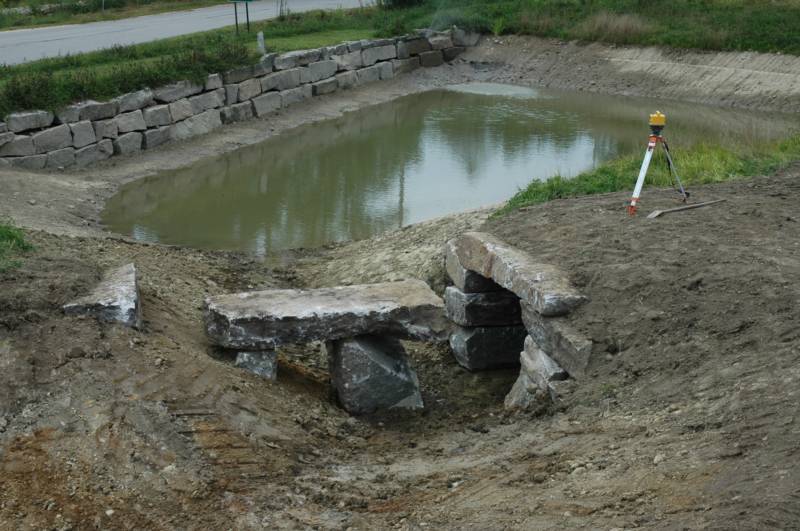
x=49 y=12
x=53 y=83
x=706 y=24
x=12 y=242
x=701 y=164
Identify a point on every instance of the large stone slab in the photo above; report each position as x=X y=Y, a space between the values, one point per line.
x=440 y=42
x=200 y=124
x=82 y=133
x=24 y=121
x=266 y=103
x=321 y=70
x=95 y=110
x=176 y=91
x=497 y=308
x=157 y=115
x=432 y=58
x=558 y=340
x=541 y=368
x=180 y=110
x=106 y=128
x=131 y=121
x=264 y=363
x=61 y=158
x=545 y=287
x=402 y=66
x=295 y=95
x=133 y=101
x=464 y=279
x=490 y=347
x=207 y=100
x=128 y=143
x=6 y=137
x=370 y=56
x=249 y=89
x=346 y=80
x=326 y=86
x=18 y=146
x=261 y=320
x=94 y=153
x=410 y=47
x=371 y=373
x=155 y=136
x=238 y=112
x=51 y=139
x=237 y=75
x=33 y=162
x=348 y=61
x=296 y=58
x=368 y=74
x=115 y=299
x=451 y=53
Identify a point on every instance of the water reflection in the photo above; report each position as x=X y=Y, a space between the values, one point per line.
x=402 y=162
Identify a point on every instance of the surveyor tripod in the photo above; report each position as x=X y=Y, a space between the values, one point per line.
x=657 y=123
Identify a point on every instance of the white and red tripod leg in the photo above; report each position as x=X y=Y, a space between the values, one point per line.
x=648 y=155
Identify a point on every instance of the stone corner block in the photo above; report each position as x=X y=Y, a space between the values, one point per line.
x=115 y=299
x=490 y=347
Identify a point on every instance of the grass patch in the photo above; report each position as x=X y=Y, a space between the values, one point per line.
x=53 y=83
x=12 y=242
x=700 y=164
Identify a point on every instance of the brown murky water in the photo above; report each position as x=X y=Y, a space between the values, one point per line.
x=412 y=159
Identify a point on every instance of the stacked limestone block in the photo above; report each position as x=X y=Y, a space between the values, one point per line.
x=91 y=131
x=551 y=349
x=361 y=326
x=488 y=332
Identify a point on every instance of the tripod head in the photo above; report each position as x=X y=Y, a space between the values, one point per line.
x=657 y=122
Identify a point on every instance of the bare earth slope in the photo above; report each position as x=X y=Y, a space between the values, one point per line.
x=688 y=419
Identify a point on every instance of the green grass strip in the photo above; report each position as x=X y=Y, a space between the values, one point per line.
x=700 y=164
x=12 y=242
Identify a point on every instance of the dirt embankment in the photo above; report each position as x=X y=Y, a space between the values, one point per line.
x=688 y=418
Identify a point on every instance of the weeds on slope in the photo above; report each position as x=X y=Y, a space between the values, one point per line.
x=700 y=164
x=12 y=242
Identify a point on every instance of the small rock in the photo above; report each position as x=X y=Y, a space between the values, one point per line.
x=659 y=458
x=32 y=202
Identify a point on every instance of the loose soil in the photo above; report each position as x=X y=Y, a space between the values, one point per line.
x=688 y=418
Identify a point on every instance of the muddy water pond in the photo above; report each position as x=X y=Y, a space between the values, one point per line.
x=409 y=160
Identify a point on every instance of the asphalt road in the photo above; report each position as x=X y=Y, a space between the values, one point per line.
x=19 y=46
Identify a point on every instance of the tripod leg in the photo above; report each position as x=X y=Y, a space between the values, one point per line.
x=648 y=155
x=674 y=172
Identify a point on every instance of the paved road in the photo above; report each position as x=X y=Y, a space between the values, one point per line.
x=18 y=46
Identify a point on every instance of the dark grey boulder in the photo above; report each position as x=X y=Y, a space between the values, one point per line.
x=371 y=373
x=495 y=308
x=490 y=347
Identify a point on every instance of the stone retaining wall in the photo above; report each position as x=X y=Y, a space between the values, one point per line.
x=91 y=131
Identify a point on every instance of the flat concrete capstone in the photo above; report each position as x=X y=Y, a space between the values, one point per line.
x=262 y=320
x=545 y=287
